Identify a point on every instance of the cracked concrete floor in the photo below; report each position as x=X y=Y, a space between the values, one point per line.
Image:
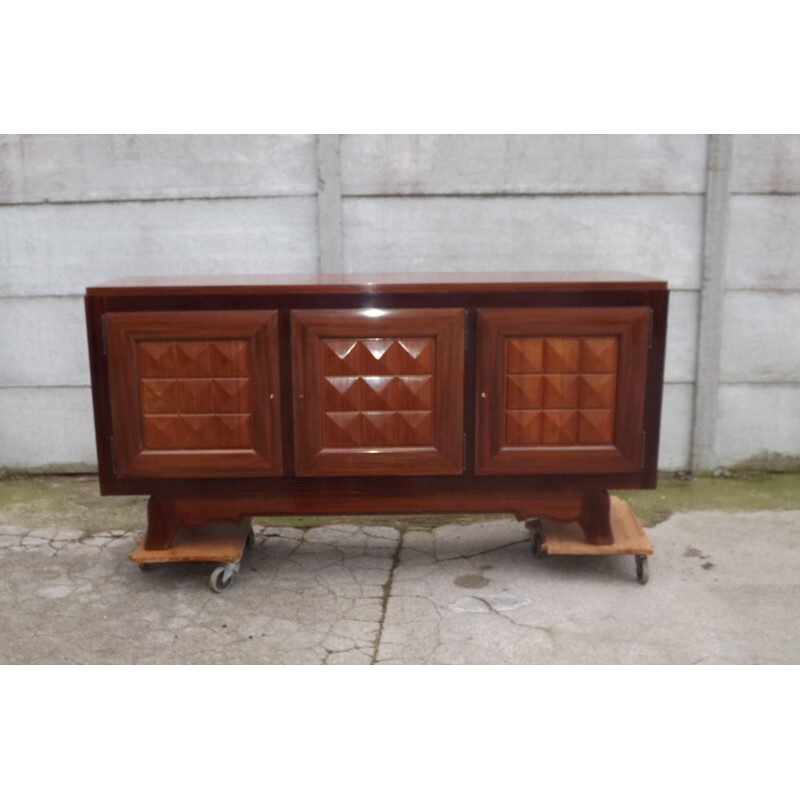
x=724 y=588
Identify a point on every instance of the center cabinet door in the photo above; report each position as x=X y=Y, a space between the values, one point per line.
x=378 y=392
x=194 y=393
x=560 y=390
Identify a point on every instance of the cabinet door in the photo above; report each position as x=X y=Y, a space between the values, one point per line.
x=378 y=392
x=194 y=393
x=560 y=390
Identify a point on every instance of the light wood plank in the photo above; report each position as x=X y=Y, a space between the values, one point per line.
x=629 y=537
x=222 y=542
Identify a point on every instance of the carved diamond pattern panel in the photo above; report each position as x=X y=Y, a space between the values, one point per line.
x=523 y=427
x=377 y=392
x=560 y=391
x=195 y=395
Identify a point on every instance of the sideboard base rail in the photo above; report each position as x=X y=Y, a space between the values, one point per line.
x=167 y=514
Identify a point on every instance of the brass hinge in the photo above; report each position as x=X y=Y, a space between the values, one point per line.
x=103 y=330
x=644 y=445
x=650 y=331
x=113 y=456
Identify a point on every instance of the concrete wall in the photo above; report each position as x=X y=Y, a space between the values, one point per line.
x=79 y=210
x=759 y=403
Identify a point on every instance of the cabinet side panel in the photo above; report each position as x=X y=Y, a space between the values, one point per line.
x=655 y=386
x=100 y=402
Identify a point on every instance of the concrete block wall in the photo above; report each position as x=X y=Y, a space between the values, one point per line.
x=759 y=399
x=79 y=210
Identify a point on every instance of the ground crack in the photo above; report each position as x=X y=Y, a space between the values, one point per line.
x=483 y=552
x=387 y=591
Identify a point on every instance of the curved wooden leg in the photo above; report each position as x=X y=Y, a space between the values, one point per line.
x=167 y=515
x=595 y=518
x=162 y=523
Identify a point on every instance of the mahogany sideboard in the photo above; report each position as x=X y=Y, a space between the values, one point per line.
x=228 y=397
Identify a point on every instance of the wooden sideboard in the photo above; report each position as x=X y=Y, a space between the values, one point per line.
x=527 y=393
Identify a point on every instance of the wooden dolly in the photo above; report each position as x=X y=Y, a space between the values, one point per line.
x=223 y=542
x=567 y=539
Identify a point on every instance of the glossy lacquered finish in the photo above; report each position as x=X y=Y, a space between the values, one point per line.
x=529 y=394
x=561 y=390
x=425 y=283
x=194 y=393
x=378 y=392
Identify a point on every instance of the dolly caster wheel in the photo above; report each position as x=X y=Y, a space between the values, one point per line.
x=642 y=569
x=146 y=567
x=222 y=577
x=534 y=527
x=250 y=541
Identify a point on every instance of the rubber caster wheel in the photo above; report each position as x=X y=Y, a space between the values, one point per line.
x=146 y=567
x=534 y=527
x=642 y=569
x=217 y=579
x=250 y=541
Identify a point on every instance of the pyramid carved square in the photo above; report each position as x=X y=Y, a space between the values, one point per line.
x=233 y=431
x=195 y=396
x=524 y=355
x=414 y=356
x=560 y=391
x=524 y=391
x=414 y=428
x=159 y=396
x=599 y=354
x=340 y=357
x=379 y=428
x=342 y=429
x=560 y=427
x=379 y=393
x=561 y=355
x=229 y=359
x=156 y=359
x=523 y=427
x=193 y=359
x=596 y=427
x=231 y=395
x=598 y=391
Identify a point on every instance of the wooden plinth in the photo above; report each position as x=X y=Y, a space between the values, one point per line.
x=223 y=542
x=567 y=539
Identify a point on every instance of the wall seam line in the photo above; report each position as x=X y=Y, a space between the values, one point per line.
x=712 y=294
x=329 y=203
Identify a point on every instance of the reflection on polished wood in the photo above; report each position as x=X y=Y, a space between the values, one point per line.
x=378 y=395
x=194 y=393
x=561 y=390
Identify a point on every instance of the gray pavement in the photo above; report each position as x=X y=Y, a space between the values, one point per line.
x=724 y=589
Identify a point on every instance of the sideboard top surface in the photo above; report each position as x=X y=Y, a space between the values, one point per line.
x=405 y=282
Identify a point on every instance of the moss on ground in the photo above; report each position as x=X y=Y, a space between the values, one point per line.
x=744 y=491
x=405 y=523
x=74 y=502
